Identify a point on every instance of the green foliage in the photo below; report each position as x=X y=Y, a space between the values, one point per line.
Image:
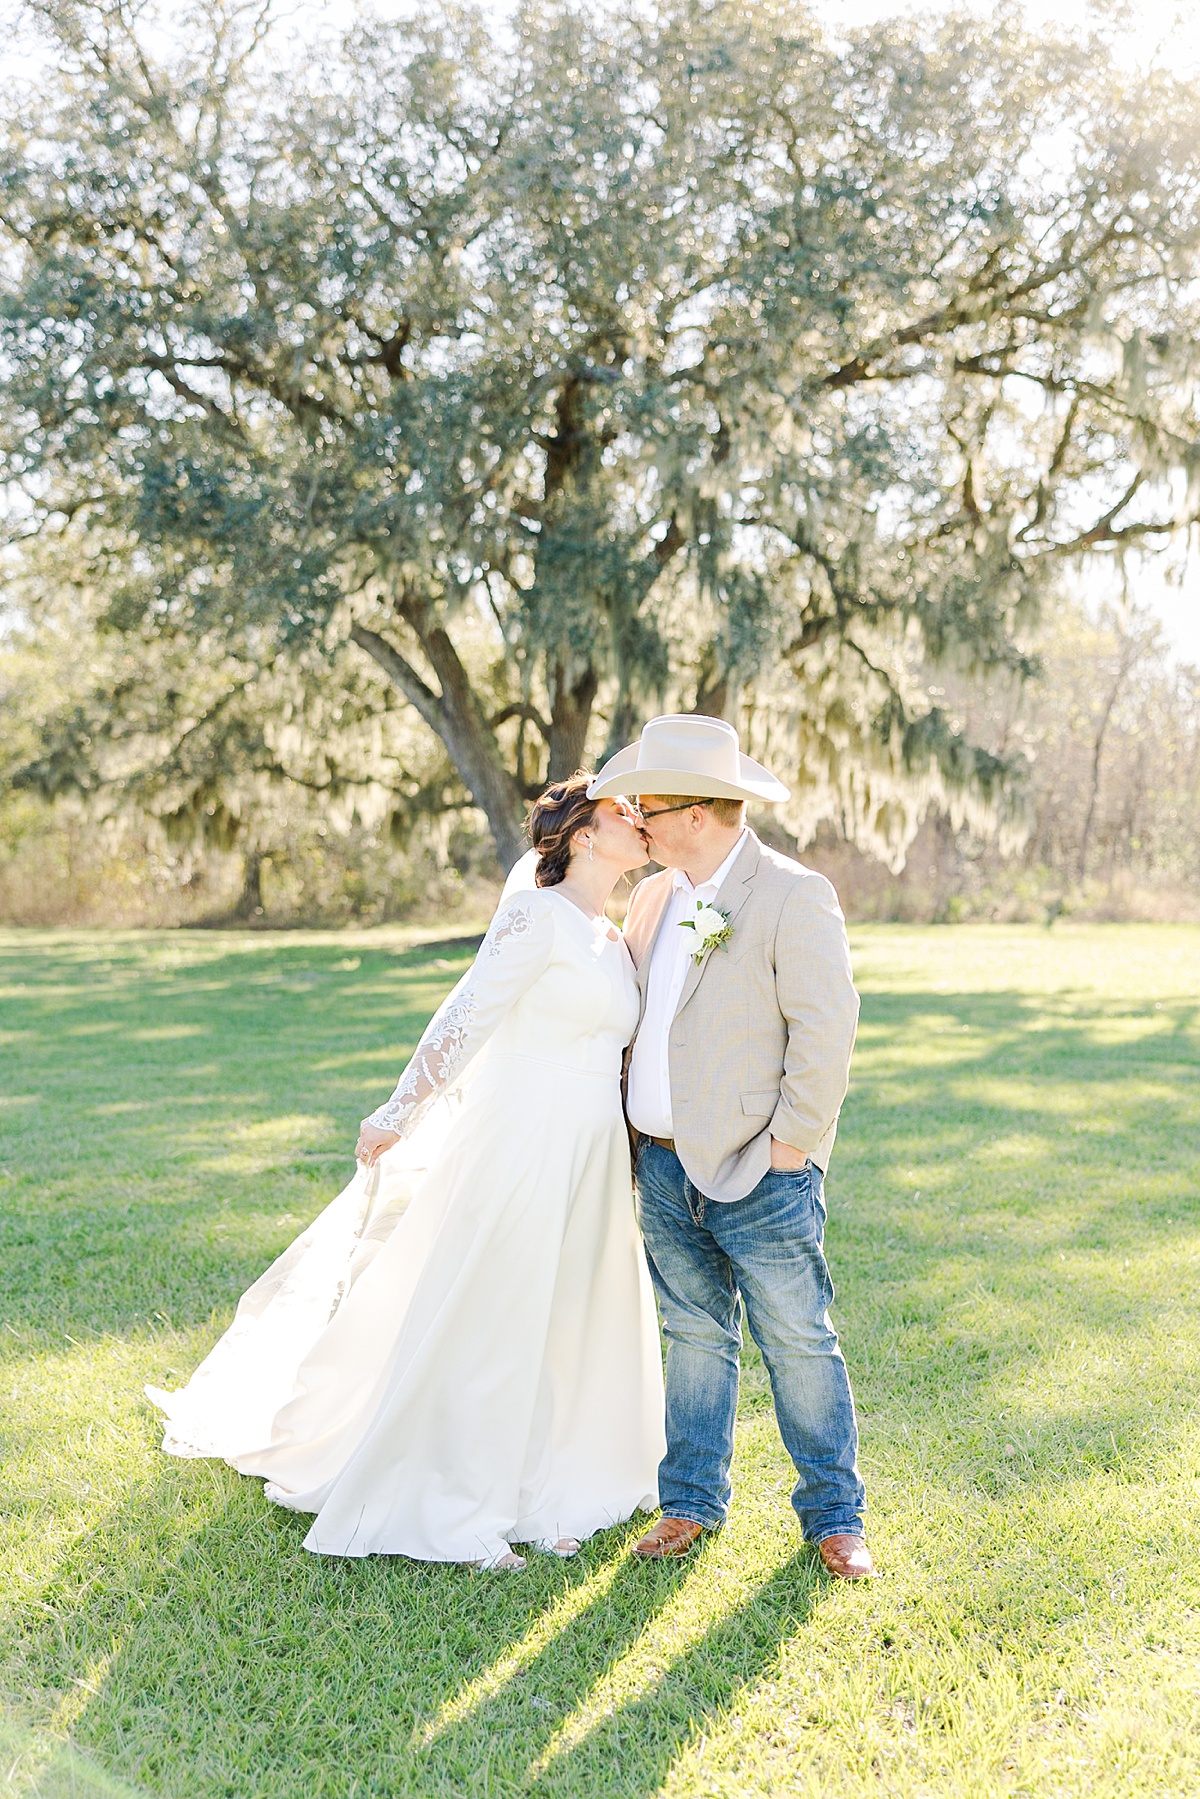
x=697 y=360
x=149 y=763
x=1014 y=1235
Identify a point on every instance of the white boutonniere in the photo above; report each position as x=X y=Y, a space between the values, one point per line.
x=711 y=926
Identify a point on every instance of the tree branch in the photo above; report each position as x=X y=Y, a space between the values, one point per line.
x=522 y=710
x=405 y=676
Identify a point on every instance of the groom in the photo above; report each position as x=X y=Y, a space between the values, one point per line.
x=738 y=1069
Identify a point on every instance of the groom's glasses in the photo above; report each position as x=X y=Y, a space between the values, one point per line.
x=661 y=811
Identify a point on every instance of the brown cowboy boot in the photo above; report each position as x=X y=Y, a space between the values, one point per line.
x=670 y=1537
x=847 y=1557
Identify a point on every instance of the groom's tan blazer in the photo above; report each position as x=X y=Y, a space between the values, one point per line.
x=761 y=1040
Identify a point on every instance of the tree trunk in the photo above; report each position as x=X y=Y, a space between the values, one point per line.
x=570 y=716
x=636 y=683
x=250 y=904
x=1129 y=656
x=457 y=717
x=626 y=723
x=717 y=687
x=474 y=750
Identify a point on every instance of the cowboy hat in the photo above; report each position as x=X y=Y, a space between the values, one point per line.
x=685 y=753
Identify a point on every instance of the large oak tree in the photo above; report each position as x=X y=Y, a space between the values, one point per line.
x=683 y=358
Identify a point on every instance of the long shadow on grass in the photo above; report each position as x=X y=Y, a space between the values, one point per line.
x=224 y=1660
x=560 y=1731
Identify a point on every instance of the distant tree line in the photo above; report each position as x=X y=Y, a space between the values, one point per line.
x=1107 y=733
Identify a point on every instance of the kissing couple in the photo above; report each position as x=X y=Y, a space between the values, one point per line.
x=462 y=1353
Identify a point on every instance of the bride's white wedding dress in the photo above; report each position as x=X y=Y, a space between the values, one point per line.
x=462 y=1353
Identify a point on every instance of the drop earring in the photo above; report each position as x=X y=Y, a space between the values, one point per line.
x=591 y=849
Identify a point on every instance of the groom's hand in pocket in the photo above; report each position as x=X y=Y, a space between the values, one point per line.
x=785 y=1157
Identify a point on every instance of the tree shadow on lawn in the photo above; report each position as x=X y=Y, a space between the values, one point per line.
x=247 y=1666
x=169 y=1130
x=180 y=1178
x=154 y=1216
x=1016 y=1195
x=990 y=1182
x=1036 y=1135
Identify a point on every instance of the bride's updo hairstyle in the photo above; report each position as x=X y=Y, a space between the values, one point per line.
x=557 y=814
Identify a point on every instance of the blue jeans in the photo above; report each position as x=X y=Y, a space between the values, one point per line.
x=767 y=1249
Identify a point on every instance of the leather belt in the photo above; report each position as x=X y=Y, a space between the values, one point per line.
x=663 y=1142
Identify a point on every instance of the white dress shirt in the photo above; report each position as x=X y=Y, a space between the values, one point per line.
x=648 y=1098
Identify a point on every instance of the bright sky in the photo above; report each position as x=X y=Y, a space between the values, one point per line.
x=1142 y=32
x=1146 y=31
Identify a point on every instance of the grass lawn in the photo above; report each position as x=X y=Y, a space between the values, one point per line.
x=1015 y=1234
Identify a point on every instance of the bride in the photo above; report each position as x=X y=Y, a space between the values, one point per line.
x=461 y=1353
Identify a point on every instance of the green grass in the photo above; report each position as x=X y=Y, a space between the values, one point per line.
x=1015 y=1234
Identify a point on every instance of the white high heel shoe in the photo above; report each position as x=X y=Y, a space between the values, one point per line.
x=563 y=1547
x=508 y=1563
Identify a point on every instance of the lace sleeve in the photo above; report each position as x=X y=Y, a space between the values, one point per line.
x=511 y=957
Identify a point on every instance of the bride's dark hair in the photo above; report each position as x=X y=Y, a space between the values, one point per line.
x=555 y=816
